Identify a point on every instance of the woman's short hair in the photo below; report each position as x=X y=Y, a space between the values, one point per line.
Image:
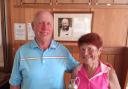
x=91 y=38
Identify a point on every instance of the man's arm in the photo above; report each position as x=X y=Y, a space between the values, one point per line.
x=15 y=78
x=14 y=87
x=114 y=83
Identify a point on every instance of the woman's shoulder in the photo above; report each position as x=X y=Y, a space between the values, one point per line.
x=77 y=69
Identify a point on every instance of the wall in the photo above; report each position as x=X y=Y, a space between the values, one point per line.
x=111 y=24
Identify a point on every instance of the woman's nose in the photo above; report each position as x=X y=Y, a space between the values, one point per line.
x=86 y=52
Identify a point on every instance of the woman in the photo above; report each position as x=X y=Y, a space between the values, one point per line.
x=92 y=73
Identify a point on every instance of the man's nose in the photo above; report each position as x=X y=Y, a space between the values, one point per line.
x=43 y=26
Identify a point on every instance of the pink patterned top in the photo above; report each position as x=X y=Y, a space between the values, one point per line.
x=100 y=79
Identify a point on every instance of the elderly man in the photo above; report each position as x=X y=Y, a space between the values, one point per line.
x=41 y=63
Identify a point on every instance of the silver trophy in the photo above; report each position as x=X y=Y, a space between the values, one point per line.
x=74 y=83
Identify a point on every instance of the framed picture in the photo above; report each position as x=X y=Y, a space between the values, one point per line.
x=70 y=26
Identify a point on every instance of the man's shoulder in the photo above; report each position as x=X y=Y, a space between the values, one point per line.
x=60 y=45
x=26 y=45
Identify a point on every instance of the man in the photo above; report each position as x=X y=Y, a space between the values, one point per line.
x=41 y=63
x=66 y=30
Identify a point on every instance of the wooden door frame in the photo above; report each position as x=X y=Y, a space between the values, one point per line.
x=4 y=34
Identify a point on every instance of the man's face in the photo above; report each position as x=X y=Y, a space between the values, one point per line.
x=43 y=26
x=65 y=24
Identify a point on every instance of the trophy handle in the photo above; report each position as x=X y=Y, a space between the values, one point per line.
x=78 y=81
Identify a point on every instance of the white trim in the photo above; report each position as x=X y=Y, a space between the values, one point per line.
x=104 y=69
x=47 y=57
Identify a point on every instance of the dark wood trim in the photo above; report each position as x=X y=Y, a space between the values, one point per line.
x=113 y=50
x=10 y=36
x=124 y=71
x=4 y=33
x=4 y=78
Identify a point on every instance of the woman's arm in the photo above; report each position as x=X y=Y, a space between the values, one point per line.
x=14 y=87
x=114 y=83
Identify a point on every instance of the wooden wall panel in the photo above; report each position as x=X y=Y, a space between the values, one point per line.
x=118 y=66
x=28 y=1
x=18 y=15
x=104 y=1
x=111 y=59
x=30 y=15
x=43 y=1
x=81 y=1
x=126 y=81
x=64 y=1
x=67 y=78
x=112 y=25
x=104 y=58
x=121 y=1
x=124 y=71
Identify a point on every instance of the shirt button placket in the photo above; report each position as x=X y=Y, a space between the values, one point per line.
x=42 y=57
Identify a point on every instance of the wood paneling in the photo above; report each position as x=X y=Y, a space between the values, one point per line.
x=81 y=1
x=113 y=1
x=72 y=1
x=28 y=1
x=124 y=71
x=64 y=1
x=111 y=25
x=121 y=1
x=43 y=1
x=104 y=1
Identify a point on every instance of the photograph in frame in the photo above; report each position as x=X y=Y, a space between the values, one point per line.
x=70 y=26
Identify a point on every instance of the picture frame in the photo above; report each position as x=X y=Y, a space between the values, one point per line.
x=71 y=26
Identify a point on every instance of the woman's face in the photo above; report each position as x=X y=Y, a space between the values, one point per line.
x=89 y=53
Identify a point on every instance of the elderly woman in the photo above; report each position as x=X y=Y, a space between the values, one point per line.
x=92 y=73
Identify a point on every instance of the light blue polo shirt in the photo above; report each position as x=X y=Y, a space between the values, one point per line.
x=34 y=68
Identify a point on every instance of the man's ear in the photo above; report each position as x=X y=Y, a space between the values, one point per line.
x=32 y=24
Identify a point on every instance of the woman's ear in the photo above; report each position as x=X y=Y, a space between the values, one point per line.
x=100 y=50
